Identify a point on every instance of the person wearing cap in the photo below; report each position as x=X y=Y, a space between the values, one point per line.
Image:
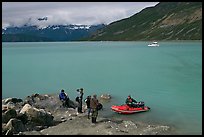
x=93 y=105
x=64 y=98
x=131 y=102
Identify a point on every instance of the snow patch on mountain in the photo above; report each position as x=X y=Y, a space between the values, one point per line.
x=55 y=28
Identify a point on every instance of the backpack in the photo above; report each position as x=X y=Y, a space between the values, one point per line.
x=99 y=106
x=77 y=99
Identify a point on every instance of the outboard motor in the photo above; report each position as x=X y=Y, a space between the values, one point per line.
x=141 y=104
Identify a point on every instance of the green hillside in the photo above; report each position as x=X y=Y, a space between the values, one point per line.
x=165 y=21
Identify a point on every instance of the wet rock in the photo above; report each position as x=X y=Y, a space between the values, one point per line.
x=105 y=96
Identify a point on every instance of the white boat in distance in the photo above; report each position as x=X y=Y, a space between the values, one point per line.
x=154 y=44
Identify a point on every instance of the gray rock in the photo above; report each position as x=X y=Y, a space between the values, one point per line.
x=14 y=100
x=22 y=117
x=39 y=116
x=25 y=108
x=14 y=126
x=9 y=132
x=10 y=105
x=7 y=100
x=4 y=108
x=10 y=113
x=105 y=96
x=4 y=129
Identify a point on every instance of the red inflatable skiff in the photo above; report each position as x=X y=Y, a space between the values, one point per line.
x=125 y=109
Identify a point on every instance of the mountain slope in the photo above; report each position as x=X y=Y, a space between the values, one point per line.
x=165 y=21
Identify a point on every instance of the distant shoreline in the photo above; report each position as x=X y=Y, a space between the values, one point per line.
x=107 y=41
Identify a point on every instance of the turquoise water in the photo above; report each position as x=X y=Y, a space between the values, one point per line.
x=168 y=78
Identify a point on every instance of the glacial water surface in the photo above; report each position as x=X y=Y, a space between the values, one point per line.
x=168 y=78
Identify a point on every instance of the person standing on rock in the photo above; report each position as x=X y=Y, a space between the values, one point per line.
x=80 y=95
x=64 y=98
x=93 y=105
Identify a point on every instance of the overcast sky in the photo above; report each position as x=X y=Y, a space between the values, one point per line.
x=86 y=13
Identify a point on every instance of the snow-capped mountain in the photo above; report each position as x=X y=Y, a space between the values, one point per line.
x=48 y=33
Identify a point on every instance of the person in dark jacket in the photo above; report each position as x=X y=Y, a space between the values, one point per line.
x=131 y=102
x=64 y=98
x=80 y=95
x=87 y=100
x=93 y=105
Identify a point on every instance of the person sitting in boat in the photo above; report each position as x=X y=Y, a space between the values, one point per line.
x=131 y=102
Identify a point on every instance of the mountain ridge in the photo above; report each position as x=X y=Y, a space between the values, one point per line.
x=27 y=33
x=164 y=21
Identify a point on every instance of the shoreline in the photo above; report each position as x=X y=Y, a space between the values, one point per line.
x=110 y=41
x=68 y=122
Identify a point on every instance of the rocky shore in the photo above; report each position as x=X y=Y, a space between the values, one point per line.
x=45 y=115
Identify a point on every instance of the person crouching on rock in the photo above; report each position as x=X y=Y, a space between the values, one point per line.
x=64 y=98
x=93 y=105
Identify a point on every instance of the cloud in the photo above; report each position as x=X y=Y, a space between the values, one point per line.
x=87 y=13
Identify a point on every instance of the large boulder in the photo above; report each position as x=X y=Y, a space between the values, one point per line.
x=15 y=126
x=14 y=100
x=5 y=101
x=72 y=104
x=6 y=116
x=22 y=117
x=25 y=108
x=39 y=116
